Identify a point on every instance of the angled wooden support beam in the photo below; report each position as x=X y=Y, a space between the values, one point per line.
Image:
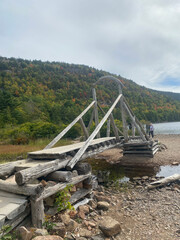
x=136 y=119
x=60 y=135
x=133 y=120
x=115 y=128
x=96 y=110
x=86 y=134
x=82 y=150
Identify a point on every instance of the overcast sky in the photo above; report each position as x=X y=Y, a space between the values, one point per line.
x=137 y=39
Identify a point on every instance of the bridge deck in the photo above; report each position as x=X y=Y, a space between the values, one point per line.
x=57 y=152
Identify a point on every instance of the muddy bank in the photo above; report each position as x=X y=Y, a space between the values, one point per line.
x=165 y=157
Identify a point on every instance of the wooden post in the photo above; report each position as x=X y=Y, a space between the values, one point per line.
x=108 y=127
x=60 y=135
x=133 y=120
x=96 y=110
x=37 y=213
x=136 y=119
x=86 y=134
x=82 y=150
x=115 y=129
x=125 y=131
x=133 y=129
x=91 y=121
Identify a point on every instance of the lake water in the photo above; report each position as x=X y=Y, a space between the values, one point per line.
x=167 y=128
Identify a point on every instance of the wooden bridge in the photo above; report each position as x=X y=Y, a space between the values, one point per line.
x=16 y=187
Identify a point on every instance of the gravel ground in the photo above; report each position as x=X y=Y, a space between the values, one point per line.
x=143 y=214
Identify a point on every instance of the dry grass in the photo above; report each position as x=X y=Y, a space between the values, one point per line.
x=10 y=152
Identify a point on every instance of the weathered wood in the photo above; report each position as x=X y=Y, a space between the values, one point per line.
x=83 y=168
x=133 y=120
x=60 y=135
x=81 y=151
x=9 y=168
x=27 y=190
x=115 y=128
x=136 y=119
x=28 y=174
x=17 y=220
x=60 y=186
x=37 y=213
x=123 y=116
x=108 y=128
x=83 y=202
x=59 y=176
x=79 y=194
x=164 y=181
x=90 y=121
x=86 y=134
x=133 y=129
x=96 y=117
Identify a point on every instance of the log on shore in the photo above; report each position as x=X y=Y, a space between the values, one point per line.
x=164 y=181
x=60 y=176
x=60 y=186
x=8 y=169
x=26 y=175
x=27 y=190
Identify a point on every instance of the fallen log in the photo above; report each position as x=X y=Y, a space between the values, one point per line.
x=60 y=186
x=27 y=190
x=60 y=176
x=28 y=174
x=9 y=168
x=164 y=181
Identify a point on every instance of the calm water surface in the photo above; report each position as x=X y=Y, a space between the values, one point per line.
x=167 y=128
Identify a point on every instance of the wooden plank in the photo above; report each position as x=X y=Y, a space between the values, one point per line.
x=59 y=152
x=11 y=195
x=11 y=210
x=60 y=135
x=28 y=189
x=81 y=151
x=96 y=117
x=79 y=194
x=60 y=186
x=86 y=134
x=2 y=220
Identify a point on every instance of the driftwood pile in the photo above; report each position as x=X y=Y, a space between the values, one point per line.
x=26 y=185
x=139 y=147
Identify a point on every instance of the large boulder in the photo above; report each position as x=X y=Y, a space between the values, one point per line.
x=109 y=226
x=59 y=229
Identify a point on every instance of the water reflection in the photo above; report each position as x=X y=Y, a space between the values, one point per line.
x=107 y=171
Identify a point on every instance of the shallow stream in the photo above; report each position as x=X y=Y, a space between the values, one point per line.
x=125 y=173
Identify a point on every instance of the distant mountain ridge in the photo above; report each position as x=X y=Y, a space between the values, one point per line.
x=57 y=92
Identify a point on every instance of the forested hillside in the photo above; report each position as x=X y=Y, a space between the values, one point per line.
x=55 y=93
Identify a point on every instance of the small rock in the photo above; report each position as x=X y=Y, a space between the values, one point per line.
x=103 y=199
x=65 y=218
x=103 y=206
x=72 y=225
x=50 y=201
x=72 y=213
x=81 y=214
x=136 y=178
x=79 y=185
x=41 y=232
x=84 y=208
x=59 y=229
x=24 y=233
x=49 y=237
x=74 y=173
x=109 y=226
x=73 y=189
x=97 y=237
x=93 y=204
x=84 y=232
